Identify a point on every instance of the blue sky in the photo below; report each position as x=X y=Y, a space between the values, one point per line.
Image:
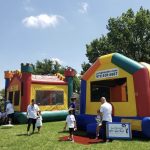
x=32 y=30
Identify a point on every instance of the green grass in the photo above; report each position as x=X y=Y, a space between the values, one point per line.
x=16 y=139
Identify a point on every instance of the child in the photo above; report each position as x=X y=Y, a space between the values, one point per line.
x=71 y=122
x=39 y=121
x=99 y=123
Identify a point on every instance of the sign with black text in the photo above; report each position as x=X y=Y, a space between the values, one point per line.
x=118 y=130
x=107 y=73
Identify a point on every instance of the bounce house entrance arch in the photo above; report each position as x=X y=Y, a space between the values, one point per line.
x=125 y=84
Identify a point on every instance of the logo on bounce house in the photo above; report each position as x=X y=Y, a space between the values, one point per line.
x=107 y=73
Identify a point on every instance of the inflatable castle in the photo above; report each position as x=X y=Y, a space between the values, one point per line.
x=126 y=85
x=51 y=92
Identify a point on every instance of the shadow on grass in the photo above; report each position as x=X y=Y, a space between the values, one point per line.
x=25 y=134
x=5 y=128
x=22 y=134
x=63 y=131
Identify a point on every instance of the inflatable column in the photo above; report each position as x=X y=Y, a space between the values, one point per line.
x=26 y=70
x=69 y=74
x=8 y=77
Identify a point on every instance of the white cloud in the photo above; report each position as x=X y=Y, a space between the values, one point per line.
x=42 y=21
x=84 y=7
x=57 y=60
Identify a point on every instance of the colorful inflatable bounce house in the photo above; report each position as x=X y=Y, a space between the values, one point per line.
x=51 y=93
x=126 y=85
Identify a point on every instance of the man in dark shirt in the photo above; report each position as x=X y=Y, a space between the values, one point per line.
x=73 y=104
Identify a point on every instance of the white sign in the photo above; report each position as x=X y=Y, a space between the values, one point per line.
x=107 y=73
x=119 y=130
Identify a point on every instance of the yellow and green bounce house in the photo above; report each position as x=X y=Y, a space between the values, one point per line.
x=51 y=92
x=126 y=85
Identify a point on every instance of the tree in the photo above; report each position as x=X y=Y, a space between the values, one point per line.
x=128 y=34
x=97 y=48
x=48 y=66
x=76 y=84
x=85 y=67
x=2 y=93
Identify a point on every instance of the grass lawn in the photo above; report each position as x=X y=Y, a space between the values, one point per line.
x=16 y=139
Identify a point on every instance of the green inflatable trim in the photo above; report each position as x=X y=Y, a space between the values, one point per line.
x=126 y=63
x=20 y=117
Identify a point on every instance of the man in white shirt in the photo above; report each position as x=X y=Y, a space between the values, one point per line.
x=32 y=111
x=10 y=111
x=106 y=114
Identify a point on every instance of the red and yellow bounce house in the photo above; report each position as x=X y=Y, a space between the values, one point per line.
x=51 y=92
x=126 y=85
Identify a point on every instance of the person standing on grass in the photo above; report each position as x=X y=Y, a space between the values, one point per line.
x=32 y=111
x=10 y=111
x=106 y=114
x=39 y=121
x=71 y=122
